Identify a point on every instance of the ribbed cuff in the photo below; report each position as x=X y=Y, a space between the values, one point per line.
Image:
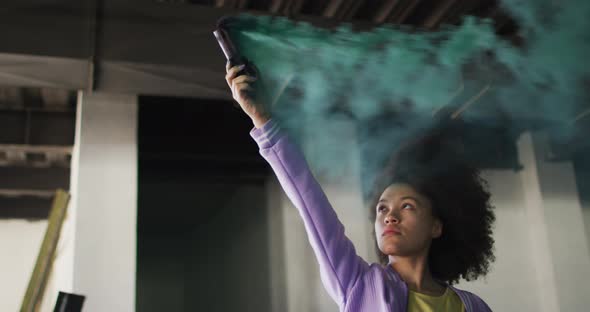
x=267 y=135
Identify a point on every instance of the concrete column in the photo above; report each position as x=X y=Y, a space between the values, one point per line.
x=97 y=252
x=555 y=222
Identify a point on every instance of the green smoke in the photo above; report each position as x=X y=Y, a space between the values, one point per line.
x=329 y=78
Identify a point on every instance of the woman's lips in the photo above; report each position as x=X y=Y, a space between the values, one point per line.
x=391 y=232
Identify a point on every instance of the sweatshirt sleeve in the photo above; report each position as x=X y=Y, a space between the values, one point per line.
x=340 y=266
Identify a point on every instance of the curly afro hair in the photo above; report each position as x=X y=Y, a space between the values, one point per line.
x=435 y=167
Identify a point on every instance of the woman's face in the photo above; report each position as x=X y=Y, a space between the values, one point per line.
x=404 y=224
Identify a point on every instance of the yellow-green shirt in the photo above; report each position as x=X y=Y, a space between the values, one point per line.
x=448 y=302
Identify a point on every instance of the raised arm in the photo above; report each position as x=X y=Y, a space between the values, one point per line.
x=340 y=266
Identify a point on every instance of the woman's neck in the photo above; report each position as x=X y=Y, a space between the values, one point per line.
x=416 y=273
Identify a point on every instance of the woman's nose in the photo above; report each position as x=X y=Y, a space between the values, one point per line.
x=390 y=218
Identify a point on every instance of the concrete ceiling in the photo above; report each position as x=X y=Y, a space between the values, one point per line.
x=52 y=48
x=166 y=47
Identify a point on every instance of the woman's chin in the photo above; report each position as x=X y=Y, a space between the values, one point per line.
x=390 y=250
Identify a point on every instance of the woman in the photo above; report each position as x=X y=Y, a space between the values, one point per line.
x=426 y=237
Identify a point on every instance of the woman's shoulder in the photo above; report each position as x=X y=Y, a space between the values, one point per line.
x=385 y=272
x=472 y=301
x=380 y=279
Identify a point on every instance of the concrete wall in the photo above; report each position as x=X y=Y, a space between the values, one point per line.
x=514 y=256
x=20 y=241
x=557 y=231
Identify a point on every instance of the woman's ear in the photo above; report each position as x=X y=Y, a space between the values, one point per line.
x=437 y=228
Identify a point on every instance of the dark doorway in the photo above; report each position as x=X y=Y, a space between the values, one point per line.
x=202 y=221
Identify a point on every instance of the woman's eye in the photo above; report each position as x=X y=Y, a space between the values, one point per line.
x=407 y=206
x=380 y=208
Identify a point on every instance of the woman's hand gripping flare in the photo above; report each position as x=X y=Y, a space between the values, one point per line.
x=243 y=92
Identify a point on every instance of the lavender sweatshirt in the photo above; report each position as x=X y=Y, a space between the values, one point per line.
x=354 y=284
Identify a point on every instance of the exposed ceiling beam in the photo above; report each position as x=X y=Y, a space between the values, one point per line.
x=458 y=11
x=31 y=70
x=140 y=49
x=45 y=179
x=439 y=12
x=155 y=48
x=286 y=7
x=26 y=192
x=384 y=11
x=342 y=10
x=55 y=97
x=332 y=8
x=11 y=97
x=296 y=6
x=351 y=10
x=35 y=155
x=277 y=6
x=407 y=8
x=25 y=207
x=36 y=148
x=242 y=4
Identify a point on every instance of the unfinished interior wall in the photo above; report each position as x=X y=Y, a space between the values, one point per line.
x=555 y=222
x=541 y=243
x=514 y=256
